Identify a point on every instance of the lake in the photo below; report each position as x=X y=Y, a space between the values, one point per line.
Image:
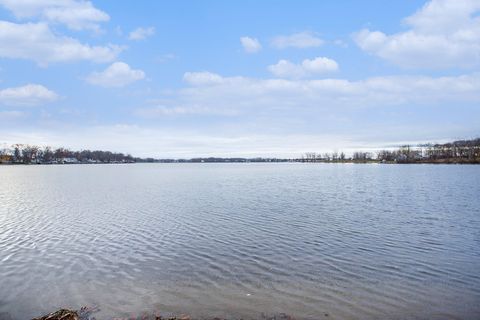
x=316 y=241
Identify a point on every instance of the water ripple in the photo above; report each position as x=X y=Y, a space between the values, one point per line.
x=241 y=239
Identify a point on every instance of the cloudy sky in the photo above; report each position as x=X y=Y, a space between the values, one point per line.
x=238 y=78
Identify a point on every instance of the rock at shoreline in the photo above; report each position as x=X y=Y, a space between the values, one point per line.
x=84 y=314
x=62 y=314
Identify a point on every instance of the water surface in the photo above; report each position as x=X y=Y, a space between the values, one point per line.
x=236 y=240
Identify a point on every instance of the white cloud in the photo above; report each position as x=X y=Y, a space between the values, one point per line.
x=319 y=65
x=28 y=95
x=202 y=78
x=442 y=34
x=285 y=68
x=237 y=93
x=250 y=45
x=118 y=74
x=297 y=40
x=141 y=33
x=35 y=41
x=75 y=14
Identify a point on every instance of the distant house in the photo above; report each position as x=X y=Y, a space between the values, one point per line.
x=68 y=160
x=6 y=159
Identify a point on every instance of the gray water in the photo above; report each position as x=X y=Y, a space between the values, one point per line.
x=316 y=241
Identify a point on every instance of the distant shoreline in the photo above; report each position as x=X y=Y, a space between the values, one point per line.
x=185 y=161
x=457 y=152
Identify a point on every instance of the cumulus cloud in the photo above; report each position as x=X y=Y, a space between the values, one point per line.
x=287 y=69
x=141 y=33
x=118 y=74
x=442 y=34
x=250 y=45
x=297 y=40
x=27 y=95
x=35 y=41
x=75 y=14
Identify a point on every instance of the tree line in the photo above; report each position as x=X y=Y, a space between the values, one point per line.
x=30 y=154
x=461 y=151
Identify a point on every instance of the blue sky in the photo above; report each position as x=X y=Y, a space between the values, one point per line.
x=238 y=78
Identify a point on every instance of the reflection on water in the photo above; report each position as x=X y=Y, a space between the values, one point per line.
x=236 y=240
